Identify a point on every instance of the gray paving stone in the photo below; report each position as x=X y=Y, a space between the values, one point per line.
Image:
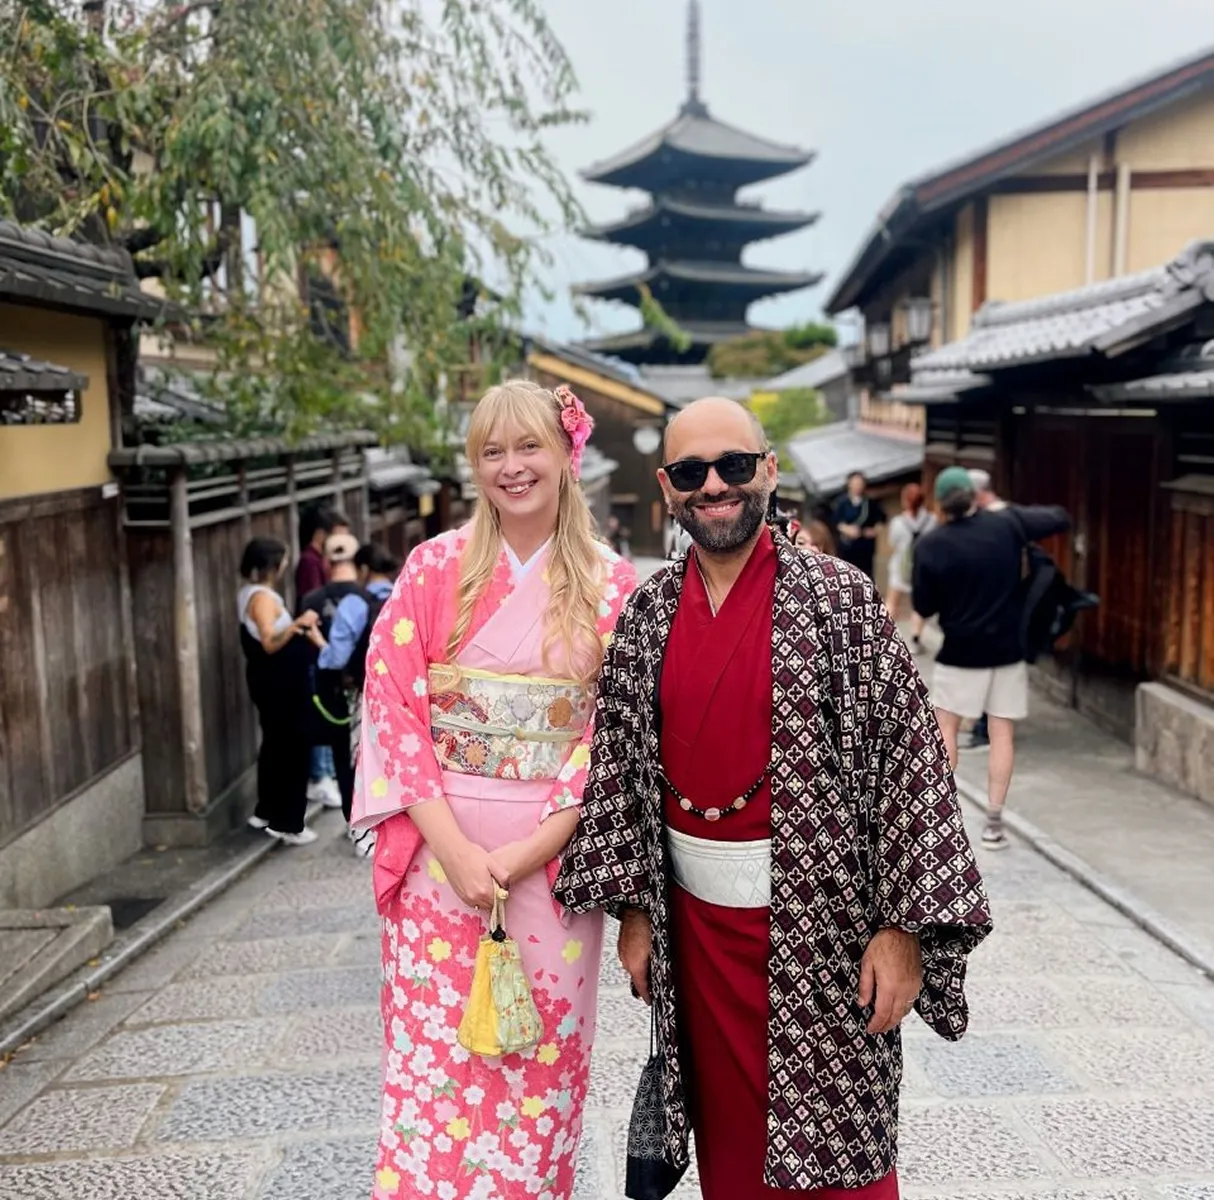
x=1020 y=1193
x=171 y=1050
x=1127 y=1138
x=288 y=923
x=338 y=892
x=1140 y=1061
x=1195 y=1000
x=83 y=1027
x=157 y=967
x=222 y=1176
x=340 y=987
x=614 y=1075
x=1149 y=958
x=330 y=1170
x=260 y=1106
x=990 y=1065
x=622 y=1016
x=342 y=1034
x=361 y=950
x=594 y=1177
x=263 y=956
x=1001 y=1001
x=943 y=1144
x=203 y=999
x=1050 y=954
x=80 y=1119
x=21 y=1081
x=1019 y=917
x=1186 y=1191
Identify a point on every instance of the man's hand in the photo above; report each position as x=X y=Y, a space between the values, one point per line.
x=891 y=976
x=635 y=948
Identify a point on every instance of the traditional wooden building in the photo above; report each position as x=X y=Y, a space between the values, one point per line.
x=629 y=420
x=693 y=230
x=71 y=767
x=1101 y=399
x=1110 y=188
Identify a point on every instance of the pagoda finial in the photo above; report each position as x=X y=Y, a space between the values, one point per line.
x=693 y=54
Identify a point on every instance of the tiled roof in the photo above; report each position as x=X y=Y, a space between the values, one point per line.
x=747 y=215
x=825 y=457
x=824 y=369
x=20 y=373
x=169 y=396
x=1189 y=376
x=697 y=133
x=690 y=271
x=1100 y=319
x=683 y=383
x=702 y=333
x=72 y=275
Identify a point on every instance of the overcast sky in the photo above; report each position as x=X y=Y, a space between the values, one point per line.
x=883 y=90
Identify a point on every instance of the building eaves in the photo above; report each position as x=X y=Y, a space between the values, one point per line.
x=1189 y=376
x=926 y=198
x=726 y=214
x=234 y=449
x=36 y=267
x=824 y=369
x=20 y=373
x=733 y=274
x=825 y=457
x=696 y=133
x=700 y=333
x=1105 y=319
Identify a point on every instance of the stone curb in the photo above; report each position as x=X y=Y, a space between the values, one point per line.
x=1194 y=952
x=140 y=938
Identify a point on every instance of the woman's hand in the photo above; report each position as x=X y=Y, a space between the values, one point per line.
x=474 y=874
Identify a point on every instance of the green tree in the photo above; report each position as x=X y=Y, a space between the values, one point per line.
x=785 y=414
x=384 y=151
x=768 y=352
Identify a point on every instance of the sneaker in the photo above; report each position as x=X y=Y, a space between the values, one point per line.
x=305 y=837
x=325 y=791
x=258 y=823
x=363 y=841
x=977 y=741
x=994 y=838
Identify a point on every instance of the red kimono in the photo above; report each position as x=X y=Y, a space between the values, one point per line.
x=716 y=695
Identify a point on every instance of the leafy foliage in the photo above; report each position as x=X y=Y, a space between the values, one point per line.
x=785 y=414
x=236 y=148
x=764 y=353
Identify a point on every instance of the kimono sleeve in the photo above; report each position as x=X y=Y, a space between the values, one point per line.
x=926 y=880
x=396 y=763
x=571 y=782
x=608 y=862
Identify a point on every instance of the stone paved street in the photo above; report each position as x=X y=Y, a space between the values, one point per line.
x=239 y=1059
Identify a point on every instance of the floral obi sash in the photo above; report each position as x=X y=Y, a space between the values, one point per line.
x=505 y=726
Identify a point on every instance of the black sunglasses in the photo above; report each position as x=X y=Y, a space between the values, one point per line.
x=735 y=468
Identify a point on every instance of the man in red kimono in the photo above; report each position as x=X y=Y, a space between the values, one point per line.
x=771 y=815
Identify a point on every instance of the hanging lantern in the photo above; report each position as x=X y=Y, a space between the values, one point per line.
x=919 y=314
x=878 y=339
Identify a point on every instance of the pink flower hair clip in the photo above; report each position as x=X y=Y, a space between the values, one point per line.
x=577 y=423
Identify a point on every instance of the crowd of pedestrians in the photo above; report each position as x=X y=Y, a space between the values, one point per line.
x=306 y=672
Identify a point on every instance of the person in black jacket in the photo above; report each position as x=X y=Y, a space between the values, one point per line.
x=968 y=572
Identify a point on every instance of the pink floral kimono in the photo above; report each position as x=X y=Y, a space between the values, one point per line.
x=506 y=740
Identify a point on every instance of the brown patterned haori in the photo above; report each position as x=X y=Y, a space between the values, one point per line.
x=866 y=833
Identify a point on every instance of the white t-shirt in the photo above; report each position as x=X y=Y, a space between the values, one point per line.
x=243 y=599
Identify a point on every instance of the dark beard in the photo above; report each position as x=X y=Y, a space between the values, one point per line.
x=717 y=538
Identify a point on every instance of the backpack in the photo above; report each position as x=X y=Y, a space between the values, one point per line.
x=1048 y=603
x=356 y=668
x=330 y=708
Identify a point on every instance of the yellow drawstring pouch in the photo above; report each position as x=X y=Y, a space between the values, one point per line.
x=500 y=1017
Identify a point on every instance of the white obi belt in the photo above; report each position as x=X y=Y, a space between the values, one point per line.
x=728 y=874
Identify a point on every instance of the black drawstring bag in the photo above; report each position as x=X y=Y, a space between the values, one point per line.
x=649 y=1175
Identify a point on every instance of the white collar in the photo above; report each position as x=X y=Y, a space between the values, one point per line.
x=518 y=568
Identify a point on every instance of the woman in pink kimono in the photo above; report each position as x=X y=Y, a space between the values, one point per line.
x=475 y=742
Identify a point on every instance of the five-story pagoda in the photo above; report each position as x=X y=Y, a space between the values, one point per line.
x=694 y=229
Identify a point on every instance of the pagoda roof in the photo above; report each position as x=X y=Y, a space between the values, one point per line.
x=751 y=221
x=695 y=144
x=648 y=345
x=731 y=276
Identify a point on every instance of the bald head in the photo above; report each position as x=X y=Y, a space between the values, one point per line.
x=717 y=421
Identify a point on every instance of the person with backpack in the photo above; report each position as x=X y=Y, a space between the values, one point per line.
x=341 y=666
x=969 y=572
x=905 y=530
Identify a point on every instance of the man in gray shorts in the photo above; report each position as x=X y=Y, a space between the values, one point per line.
x=967 y=572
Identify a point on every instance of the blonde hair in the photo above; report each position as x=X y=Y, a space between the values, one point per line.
x=575 y=566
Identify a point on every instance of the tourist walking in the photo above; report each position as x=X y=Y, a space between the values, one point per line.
x=342 y=662
x=986 y=499
x=316 y=526
x=905 y=530
x=480 y=690
x=277 y=662
x=968 y=573
x=771 y=815
x=856 y=520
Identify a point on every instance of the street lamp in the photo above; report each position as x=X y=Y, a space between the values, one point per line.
x=919 y=312
x=878 y=339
